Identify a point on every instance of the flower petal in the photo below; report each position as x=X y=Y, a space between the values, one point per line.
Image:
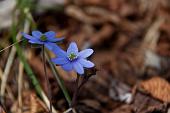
x=27 y=36
x=67 y=67
x=53 y=39
x=36 y=34
x=50 y=34
x=78 y=67
x=85 y=63
x=72 y=48
x=35 y=41
x=59 y=61
x=49 y=45
x=58 y=51
x=85 y=53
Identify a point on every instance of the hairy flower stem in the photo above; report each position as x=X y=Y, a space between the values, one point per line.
x=78 y=87
x=46 y=77
x=75 y=95
x=82 y=83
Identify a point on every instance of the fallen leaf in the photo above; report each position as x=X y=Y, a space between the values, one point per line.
x=158 y=87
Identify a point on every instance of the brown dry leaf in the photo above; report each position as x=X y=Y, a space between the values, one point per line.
x=158 y=87
x=143 y=102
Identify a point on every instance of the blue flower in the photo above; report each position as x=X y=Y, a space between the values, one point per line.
x=72 y=59
x=48 y=39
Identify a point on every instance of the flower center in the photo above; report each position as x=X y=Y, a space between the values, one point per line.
x=72 y=56
x=43 y=38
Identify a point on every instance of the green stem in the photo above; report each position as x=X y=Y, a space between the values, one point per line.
x=46 y=77
x=59 y=80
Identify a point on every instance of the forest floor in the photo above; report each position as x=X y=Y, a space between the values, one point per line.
x=131 y=40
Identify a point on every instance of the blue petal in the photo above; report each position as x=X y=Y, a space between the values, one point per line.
x=59 y=61
x=72 y=48
x=49 y=45
x=36 y=34
x=58 y=51
x=27 y=36
x=78 y=67
x=85 y=63
x=67 y=67
x=53 y=39
x=35 y=41
x=50 y=34
x=85 y=53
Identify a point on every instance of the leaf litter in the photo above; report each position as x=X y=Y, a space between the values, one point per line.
x=131 y=55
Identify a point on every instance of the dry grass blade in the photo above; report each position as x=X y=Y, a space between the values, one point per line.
x=20 y=82
x=7 y=70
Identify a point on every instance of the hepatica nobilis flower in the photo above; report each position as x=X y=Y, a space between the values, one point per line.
x=72 y=59
x=48 y=39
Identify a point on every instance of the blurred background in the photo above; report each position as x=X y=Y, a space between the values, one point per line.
x=131 y=40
